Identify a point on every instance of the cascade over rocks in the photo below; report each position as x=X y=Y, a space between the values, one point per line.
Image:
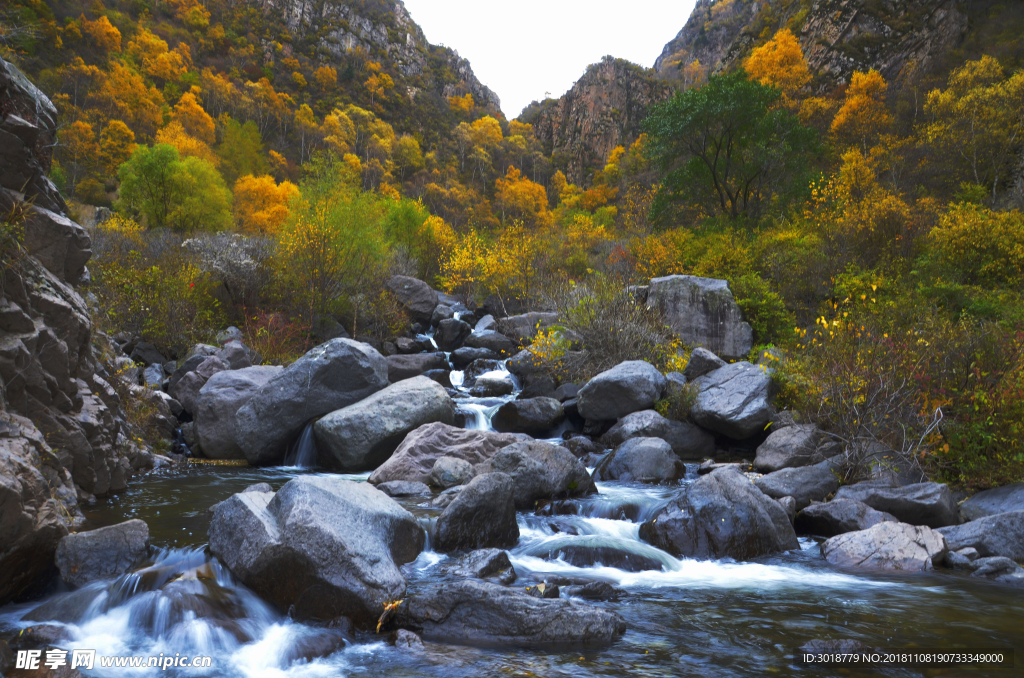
x=997 y=535
x=689 y=442
x=928 y=504
x=626 y=388
x=322 y=547
x=478 y=612
x=733 y=400
x=100 y=554
x=363 y=435
x=482 y=515
x=702 y=312
x=462 y=357
x=218 y=403
x=329 y=377
x=838 y=517
x=539 y=470
x=414 y=459
x=644 y=460
x=415 y=296
x=484 y=564
x=887 y=546
x=721 y=515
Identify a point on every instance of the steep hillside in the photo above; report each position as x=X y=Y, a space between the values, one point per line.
x=603 y=110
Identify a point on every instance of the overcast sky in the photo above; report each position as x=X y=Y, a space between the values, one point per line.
x=525 y=48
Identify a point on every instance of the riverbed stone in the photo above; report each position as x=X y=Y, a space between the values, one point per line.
x=537 y=417
x=450 y=472
x=642 y=460
x=887 y=546
x=733 y=400
x=1001 y=534
x=415 y=296
x=839 y=516
x=539 y=470
x=106 y=553
x=789 y=447
x=999 y=569
x=331 y=376
x=483 y=564
x=186 y=391
x=702 y=312
x=991 y=502
x=415 y=457
x=804 y=484
x=218 y=403
x=322 y=547
x=523 y=328
x=628 y=387
x=721 y=515
x=441 y=312
x=689 y=442
x=929 y=504
x=491 y=387
x=701 y=362
x=451 y=334
x=462 y=357
x=404 y=488
x=483 y=515
x=402 y=367
x=363 y=435
x=478 y=612
x=492 y=341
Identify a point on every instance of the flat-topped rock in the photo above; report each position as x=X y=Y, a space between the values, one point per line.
x=702 y=312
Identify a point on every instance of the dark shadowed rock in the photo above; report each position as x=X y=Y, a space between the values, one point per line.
x=188 y=387
x=100 y=554
x=218 y=403
x=839 y=517
x=626 y=388
x=887 y=546
x=644 y=460
x=539 y=470
x=566 y=392
x=928 y=504
x=805 y=484
x=997 y=535
x=491 y=387
x=451 y=334
x=408 y=366
x=481 y=367
x=702 y=361
x=721 y=515
x=462 y=357
x=404 y=488
x=492 y=341
x=789 y=447
x=689 y=442
x=536 y=417
x=363 y=435
x=483 y=515
x=415 y=457
x=477 y=612
x=524 y=327
x=442 y=377
x=733 y=400
x=702 y=312
x=322 y=547
x=483 y=564
x=990 y=502
x=415 y=296
x=538 y=386
x=329 y=377
x=441 y=312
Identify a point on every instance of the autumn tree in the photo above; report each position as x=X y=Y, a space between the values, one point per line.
x=117 y=143
x=125 y=95
x=520 y=199
x=863 y=115
x=779 y=62
x=187 y=145
x=326 y=79
x=102 y=33
x=189 y=113
x=79 y=150
x=461 y=104
x=152 y=54
x=261 y=205
x=378 y=84
x=408 y=156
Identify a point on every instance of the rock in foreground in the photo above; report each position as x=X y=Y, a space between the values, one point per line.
x=928 y=504
x=321 y=547
x=218 y=403
x=998 y=535
x=642 y=460
x=689 y=442
x=476 y=612
x=991 y=502
x=100 y=554
x=482 y=516
x=626 y=388
x=887 y=546
x=733 y=400
x=540 y=470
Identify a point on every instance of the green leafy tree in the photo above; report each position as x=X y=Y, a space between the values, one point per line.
x=241 y=151
x=728 y=147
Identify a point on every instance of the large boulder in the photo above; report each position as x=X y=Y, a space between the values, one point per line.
x=329 y=377
x=788 y=447
x=451 y=334
x=689 y=442
x=733 y=400
x=539 y=470
x=415 y=457
x=643 y=460
x=483 y=515
x=462 y=357
x=449 y=472
x=537 y=417
x=415 y=296
x=362 y=436
x=928 y=504
x=990 y=502
x=1001 y=534
x=721 y=515
x=887 y=546
x=839 y=517
x=701 y=362
x=702 y=312
x=186 y=391
x=478 y=612
x=804 y=484
x=218 y=403
x=626 y=388
x=408 y=366
x=492 y=341
x=523 y=328
x=100 y=554
x=322 y=547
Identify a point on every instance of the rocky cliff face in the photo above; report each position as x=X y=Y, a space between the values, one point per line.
x=603 y=110
x=385 y=30
x=59 y=416
x=896 y=37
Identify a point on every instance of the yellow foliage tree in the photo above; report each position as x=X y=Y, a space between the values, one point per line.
x=117 y=143
x=518 y=198
x=863 y=115
x=188 y=146
x=379 y=83
x=189 y=113
x=779 y=62
x=326 y=78
x=151 y=52
x=102 y=33
x=463 y=104
x=124 y=95
x=79 y=149
x=261 y=205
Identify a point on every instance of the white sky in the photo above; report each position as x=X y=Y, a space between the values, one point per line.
x=525 y=48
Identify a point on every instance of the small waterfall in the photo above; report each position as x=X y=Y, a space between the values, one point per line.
x=303 y=453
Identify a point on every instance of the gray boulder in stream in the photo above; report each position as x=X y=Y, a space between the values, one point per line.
x=721 y=515
x=991 y=502
x=540 y=470
x=218 y=403
x=789 y=447
x=537 y=417
x=998 y=535
x=928 y=504
x=451 y=334
x=362 y=436
x=887 y=546
x=492 y=341
x=839 y=516
x=689 y=442
x=483 y=515
x=408 y=366
x=415 y=457
x=733 y=400
x=478 y=612
x=642 y=460
x=415 y=296
x=321 y=548
x=804 y=484
x=105 y=553
x=628 y=387
x=331 y=376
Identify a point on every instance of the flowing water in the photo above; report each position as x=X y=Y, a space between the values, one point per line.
x=685 y=617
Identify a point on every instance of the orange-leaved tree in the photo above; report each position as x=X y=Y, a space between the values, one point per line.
x=863 y=116
x=261 y=205
x=779 y=62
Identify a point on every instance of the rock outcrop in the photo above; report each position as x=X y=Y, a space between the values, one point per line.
x=702 y=312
